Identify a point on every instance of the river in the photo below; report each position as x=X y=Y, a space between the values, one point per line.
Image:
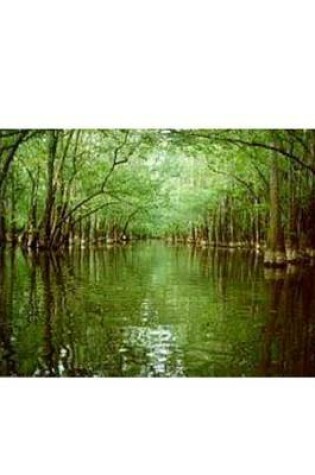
x=150 y=309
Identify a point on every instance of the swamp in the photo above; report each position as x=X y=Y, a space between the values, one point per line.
x=157 y=252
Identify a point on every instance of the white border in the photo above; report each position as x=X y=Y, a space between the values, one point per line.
x=157 y=64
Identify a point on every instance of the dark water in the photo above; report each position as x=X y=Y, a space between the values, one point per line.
x=151 y=310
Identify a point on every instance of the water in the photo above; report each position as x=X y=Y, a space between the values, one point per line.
x=149 y=309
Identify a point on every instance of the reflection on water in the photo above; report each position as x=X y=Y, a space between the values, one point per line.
x=149 y=309
x=153 y=350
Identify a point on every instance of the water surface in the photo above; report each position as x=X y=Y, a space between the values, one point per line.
x=149 y=309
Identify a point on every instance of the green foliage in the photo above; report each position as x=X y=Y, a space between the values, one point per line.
x=151 y=182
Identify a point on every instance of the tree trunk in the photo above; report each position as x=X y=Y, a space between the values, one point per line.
x=292 y=244
x=50 y=194
x=3 y=230
x=275 y=252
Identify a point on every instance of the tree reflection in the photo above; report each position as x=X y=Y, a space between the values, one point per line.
x=289 y=333
x=8 y=364
x=153 y=310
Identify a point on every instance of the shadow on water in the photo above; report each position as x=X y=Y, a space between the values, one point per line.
x=289 y=334
x=8 y=363
x=149 y=309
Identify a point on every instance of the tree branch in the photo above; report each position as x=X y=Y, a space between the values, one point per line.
x=255 y=144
